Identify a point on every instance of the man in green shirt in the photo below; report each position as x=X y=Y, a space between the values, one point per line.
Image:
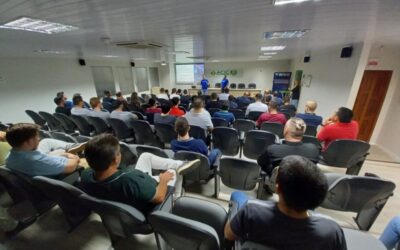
x=135 y=187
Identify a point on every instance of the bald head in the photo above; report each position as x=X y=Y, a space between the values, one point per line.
x=294 y=129
x=311 y=106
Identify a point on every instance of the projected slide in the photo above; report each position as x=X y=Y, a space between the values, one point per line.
x=189 y=73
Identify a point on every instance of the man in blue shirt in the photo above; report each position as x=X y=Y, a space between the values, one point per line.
x=224 y=114
x=224 y=83
x=204 y=86
x=187 y=143
x=309 y=117
x=27 y=156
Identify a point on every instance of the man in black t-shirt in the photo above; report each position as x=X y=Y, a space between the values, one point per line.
x=288 y=224
x=60 y=102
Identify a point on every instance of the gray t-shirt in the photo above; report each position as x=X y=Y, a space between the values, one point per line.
x=201 y=119
x=125 y=116
x=164 y=119
x=81 y=111
x=264 y=223
x=101 y=114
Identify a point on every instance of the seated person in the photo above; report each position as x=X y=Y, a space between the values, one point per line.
x=224 y=96
x=277 y=98
x=60 y=102
x=153 y=109
x=257 y=105
x=163 y=94
x=97 y=109
x=272 y=115
x=391 y=235
x=339 y=126
x=213 y=103
x=4 y=148
x=185 y=98
x=187 y=143
x=32 y=157
x=107 y=97
x=224 y=113
x=232 y=102
x=135 y=104
x=120 y=114
x=68 y=104
x=244 y=100
x=165 y=117
x=198 y=116
x=288 y=224
x=287 y=106
x=135 y=187
x=292 y=145
x=79 y=108
x=174 y=94
x=175 y=110
x=309 y=116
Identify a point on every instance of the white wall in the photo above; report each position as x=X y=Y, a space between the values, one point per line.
x=332 y=78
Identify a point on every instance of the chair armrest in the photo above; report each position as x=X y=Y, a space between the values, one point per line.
x=167 y=204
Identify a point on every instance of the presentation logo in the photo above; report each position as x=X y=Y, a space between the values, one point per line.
x=228 y=72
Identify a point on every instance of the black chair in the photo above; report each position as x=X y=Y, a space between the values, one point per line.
x=203 y=172
x=252 y=86
x=51 y=121
x=226 y=140
x=144 y=135
x=313 y=140
x=273 y=127
x=150 y=149
x=100 y=126
x=238 y=113
x=198 y=133
x=128 y=158
x=212 y=111
x=67 y=198
x=358 y=240
x=37 y=119
x=363 y=195
x=139 y=115
x=108 y=106
x=349 y=154
x=237 y=174
x=68 y=126
x=311 y=131
x=253 y=115
x=219 y=122
x=244 y=125
x=121 y=130
x=194 y=224
x=165 y=132
x=232 y=86
x=83 y=125
x=63 y=137
x=241 y=86
x=286 y=114
x=44 y=134
x=150 y=117
x=257 y=142
x=218 y=85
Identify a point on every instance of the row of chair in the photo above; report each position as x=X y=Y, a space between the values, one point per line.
x=239 y=85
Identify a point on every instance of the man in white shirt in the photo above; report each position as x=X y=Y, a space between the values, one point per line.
x=174 y=94
x=257 y=106
x=97 y=109
x=162 y=94
x=198 y=116
x=125 y=116
x=78 y=108
x=225 y=95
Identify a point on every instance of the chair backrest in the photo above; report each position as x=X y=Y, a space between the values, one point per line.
x=257 y=142
x=82 y=124
x=44 y=134
x=166 y=132
x=100 y=126
x=144 y=134
x=253 y=115
x=150 y=117
x=150 y=149
x=286 y=114
x=238 y=113
x=128 y=158
x=108 y=106
x=212 y=111
x=52 y=122
x=252 y=86
x=218 y=85
x=37 y=119
x=226 y=140
x=311 y=139
x=138 y=114
x=232 y=86
x=244 y=125
x=68 y=125
x=273 y=127
x=63 y=137
x=198 y=132
x=311 y=130
x=120 y=129
x=203 y=172
x=241 y=86
x=219 y=122
x=238 y=173
x=345 y=153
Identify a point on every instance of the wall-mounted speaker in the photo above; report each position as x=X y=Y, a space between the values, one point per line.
x=82 y=62
x=132 y=64
x=346 y=52
x=307 y=59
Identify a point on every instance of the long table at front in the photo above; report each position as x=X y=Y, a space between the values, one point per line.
x=234 y=92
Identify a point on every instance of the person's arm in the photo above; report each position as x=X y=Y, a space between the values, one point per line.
x=72 y=163
x=229 y=234
x=2 y=136
x=162 y=187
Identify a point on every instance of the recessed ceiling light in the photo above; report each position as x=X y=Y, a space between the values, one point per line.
x=264 y=57
x=285 y=34
x=273 y=48
x=282 y=2
x=269 y=53
x=36 y=25
x=110 y=56
x=215 y=60
x=46 y=51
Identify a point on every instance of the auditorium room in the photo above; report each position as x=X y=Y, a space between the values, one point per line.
x=199 y=125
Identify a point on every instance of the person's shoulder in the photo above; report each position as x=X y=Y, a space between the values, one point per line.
x=325 y=224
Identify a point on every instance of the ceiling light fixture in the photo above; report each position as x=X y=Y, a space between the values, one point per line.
x=163 y=63
x=46 y=51
x=285 y=34
x=264 y=57
x=177 y=52
x=283 y=2
x=269 y=53
x=273 y=48
x=36 y=25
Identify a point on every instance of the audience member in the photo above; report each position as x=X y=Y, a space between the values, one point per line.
x=185 y=98
x=339 y=126
x=135 y=187
x=391 y=235
x=204 y=85
x=98 y=109
x=277 y=98
x=309 y=116
x=232 y=102
x=163 y=94
x=291 y=223
x=153 y=109
x=198 y=116
x=107 y=97
x=4 y=148
x=85 y=104
x=60 y=102
x=179 y=92
x=31 y=156
x=224 y=96
x=68 y=104
x=287 y=106
x=120 y=114
x=292 y=145
x=165 y=116
x=272 y=115
x=135 y=104
x=213 y=103
x=174 y=94
x=78 y=108
x=224 y=113
x=187 y=143
x=175 y=110
x=257 y=106
x=120 y=97
x=244 y=100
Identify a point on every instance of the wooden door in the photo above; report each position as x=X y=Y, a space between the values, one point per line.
x=370 y=98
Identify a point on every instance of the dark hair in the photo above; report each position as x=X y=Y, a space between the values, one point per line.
x=100 y=151
x=197 y=103
x=258 y=96
x=107 y=92
x=60 y=94
x=344 y=114
x=182 y=126
x=118 y=94
x=58 y=100
x=118 y=103
x=214 y=96
x=175 y=101
x=162 y=90
x=77 y=99
x=185 y=91
x=165 y=107
x=19 y=133
x=302 y=183
x=225 y=105
x=273 y=105
x=178 y=91
x=173 y=90
x=152 y=102
x=231 y=98
x=226 y=90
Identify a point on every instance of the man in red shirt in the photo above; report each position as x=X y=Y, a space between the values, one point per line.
x=175 y=110
x=272 y=116
x=339 y=126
